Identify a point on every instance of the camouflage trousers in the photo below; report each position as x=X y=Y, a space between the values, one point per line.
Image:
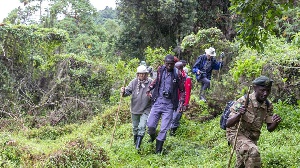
x=247 y=153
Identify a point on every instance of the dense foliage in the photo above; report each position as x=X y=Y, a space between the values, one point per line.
x=256 y=19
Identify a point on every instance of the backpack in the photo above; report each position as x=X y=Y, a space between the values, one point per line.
x=226 y=113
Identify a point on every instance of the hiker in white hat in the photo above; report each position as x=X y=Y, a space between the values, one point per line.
x=203 y=69
x=140 y=105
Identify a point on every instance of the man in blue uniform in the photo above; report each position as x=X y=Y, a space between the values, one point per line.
x=165 y=100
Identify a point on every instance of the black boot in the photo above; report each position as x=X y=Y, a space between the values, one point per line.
x=152 y=138
x=138 y=142
x=172 y=131
x=159 y=145
x=134 y=139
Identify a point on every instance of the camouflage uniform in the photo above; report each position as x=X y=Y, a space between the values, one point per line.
x=246 y=145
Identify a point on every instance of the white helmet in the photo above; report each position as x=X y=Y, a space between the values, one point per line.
x=142 y=69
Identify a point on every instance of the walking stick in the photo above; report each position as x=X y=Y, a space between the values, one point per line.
x=236 y=134
x=117 y=116
x=222 y=56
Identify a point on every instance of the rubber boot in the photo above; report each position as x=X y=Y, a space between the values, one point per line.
x=152 y=138
x=134 y=139
x=138 y=142
x=159 y=145
x=173 y=131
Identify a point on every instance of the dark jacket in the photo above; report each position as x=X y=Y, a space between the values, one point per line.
x=200 y=65
x=178 y=85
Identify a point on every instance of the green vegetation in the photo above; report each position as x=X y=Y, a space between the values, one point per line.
x=60 y=79
x=197 y=144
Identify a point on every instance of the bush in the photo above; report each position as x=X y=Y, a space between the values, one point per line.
x=79 y=153
x=51 y=133
x=290 y=115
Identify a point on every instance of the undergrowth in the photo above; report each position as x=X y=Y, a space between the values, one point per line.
x=92 y=144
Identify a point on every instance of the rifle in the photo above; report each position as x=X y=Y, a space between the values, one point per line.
x=237 y=131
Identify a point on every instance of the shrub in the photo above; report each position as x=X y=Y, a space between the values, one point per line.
x=79 y=153
x=49 y=132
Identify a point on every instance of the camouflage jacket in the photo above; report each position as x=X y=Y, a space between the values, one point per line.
x=252 y=121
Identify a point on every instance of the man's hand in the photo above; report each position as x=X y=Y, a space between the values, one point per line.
x=276 y=118
x=199 y=72
x=149 y=93
x=122 y=90
x=181 y=107
x=241 y=109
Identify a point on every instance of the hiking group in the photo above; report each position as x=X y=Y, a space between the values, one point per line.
x=167 y=96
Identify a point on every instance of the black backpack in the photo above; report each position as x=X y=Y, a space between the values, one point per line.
x=226 y=113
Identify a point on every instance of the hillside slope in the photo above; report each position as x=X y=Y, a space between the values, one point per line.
x=196 y=144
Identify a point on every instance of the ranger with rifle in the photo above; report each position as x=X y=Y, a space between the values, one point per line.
x=245 y=122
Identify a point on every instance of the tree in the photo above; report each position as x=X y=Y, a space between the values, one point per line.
x=154 y=23
x=106 y=14
x=257 y=19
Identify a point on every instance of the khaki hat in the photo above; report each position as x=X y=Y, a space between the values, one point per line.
x=211 y=51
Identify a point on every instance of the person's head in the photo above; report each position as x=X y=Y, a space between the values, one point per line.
x=262 y=87
x=179 y=65
x=169 y=62
x=142 y=72
x=211 y=52
x=186 y=70
x=183 y=62
x=143 y=63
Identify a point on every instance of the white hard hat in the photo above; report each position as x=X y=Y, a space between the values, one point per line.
x=142 y=69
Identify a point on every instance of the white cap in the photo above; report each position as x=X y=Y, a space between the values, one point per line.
x=142 y=69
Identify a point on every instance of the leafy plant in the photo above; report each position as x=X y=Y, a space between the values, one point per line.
x=79 y=153
x=247 y=67
x=155 y=56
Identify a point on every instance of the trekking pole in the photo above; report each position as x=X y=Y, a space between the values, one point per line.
x=236 y=134
x=222 y=56
x=117 y=116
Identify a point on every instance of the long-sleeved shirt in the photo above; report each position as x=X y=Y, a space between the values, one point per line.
x=205 y=66
x=139 y=99
x=177 y=85
x=252 y=121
